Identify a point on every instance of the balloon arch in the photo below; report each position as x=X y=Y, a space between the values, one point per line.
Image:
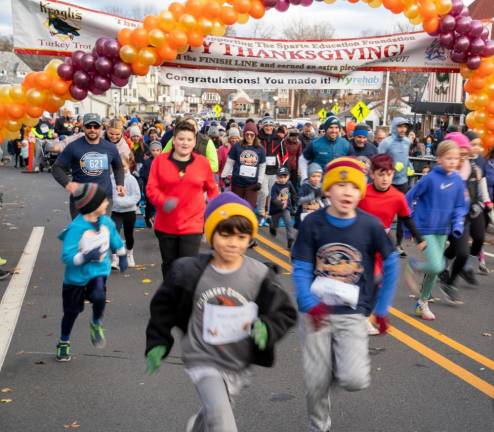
x=162 y=37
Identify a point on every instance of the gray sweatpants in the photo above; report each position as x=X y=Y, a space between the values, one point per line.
x=338 y=349
x=216 y=389
x=287 y=218
x=263 y=194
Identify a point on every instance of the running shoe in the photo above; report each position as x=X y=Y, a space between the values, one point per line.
x=451 y=294
x=190 y=423
x=114 y=261
x=401 y=251
x=423 y=311
x=483 y=269
x=130 y=258
x=2 y=261
x=263 y=222
x=272 y=230
x=469 y=277
x=97 y=334
x=4 y=274
x=63 y=352
x=371 y=330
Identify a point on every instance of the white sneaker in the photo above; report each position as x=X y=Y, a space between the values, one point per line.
x=422 y=310
x=371 y=330
x=190 y=423
x=130 y=258
x=114 y=261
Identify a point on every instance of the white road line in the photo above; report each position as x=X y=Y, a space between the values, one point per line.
x=11 y=304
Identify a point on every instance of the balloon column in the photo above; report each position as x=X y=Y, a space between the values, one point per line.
x=185 y=25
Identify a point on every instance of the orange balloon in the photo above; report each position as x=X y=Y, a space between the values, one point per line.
x=489 y=90
x=60 y=87
x=428 y=10
x=242 y=6
x=482 y=100
x=124 y=36
x=195 y=8
x=469 y=88
x=353 y=1
x=36 y=97
x=177 y=9
x=478 y=83
x=431 y=25
x=465 y=71
x=128 y=54
x=156 y=37
x=3 y=110
x=443 y=6
x=205 y=26
x=140 y=69
x=15 y=111
x=187 y=22
x=17 y=94
x=257 y=9
x=167 y=21
x=12 y=125
x=177 y=39
x=481 y=117
x=167 y=53
x=151 y=22
x=195 y=38
x=470 y=120
x=184 y=49
x=34 y=111
x=488 y=141
x=471 y=102
x=139 y=37
x=212 y=10
x=147 y=56
x=486 y=68
x=28 y=81
x=228 y=15
x=395 y=6
x=43 y=80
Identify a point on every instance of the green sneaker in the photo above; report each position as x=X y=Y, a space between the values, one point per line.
x=63 y=352
x=97 y=334
x=2 y=261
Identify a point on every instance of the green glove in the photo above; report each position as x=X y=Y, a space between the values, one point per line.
x=410 y=172
x=399 y=166
x=260 y=334
x=153 y=359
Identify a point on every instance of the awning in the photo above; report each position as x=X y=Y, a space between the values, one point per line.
x=439 y=108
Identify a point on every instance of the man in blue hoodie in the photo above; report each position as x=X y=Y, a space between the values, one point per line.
x=325 y=148
x=398 y=146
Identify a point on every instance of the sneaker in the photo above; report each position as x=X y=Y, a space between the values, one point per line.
x=451 y=294
x=4 y=274
x=469 y=277
x=263 y=222
x=2 y=261
x=97 y=334
x=409 y=276
x=272 y=231
x=422 y=310
x=63 y=352
x=401 y=251
x=483 y=269
x=130 y=258
x=190 y=423
x=114 y=261
x=371 y=330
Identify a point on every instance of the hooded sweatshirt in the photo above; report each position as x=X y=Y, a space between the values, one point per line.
x=323 y=150
x=398 y=148
x=438 y=203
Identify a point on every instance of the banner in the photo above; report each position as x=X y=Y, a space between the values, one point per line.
x=57 y=28
x=187 y=77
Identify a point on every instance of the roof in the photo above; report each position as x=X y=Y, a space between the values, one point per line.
x=482 y=9
x=439 y=108
x=12 y=69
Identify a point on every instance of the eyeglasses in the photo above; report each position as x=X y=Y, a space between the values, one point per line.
x=92 y=126
x=252 y=134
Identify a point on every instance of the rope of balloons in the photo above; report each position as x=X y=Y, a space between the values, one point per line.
x=185 y=25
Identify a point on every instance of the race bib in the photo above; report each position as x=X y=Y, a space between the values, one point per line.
x=303 y=215
x=334 y=292
x=97 y=162
x=227 y=324
x=44 y=128
x=248 y=171
x=271 y=160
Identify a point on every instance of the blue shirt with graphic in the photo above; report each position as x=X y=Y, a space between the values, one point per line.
x=246 y=167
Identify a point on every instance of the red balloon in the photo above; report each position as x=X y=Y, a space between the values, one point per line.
x=119 y=82
x=111 y=49
x=81 y=79
x=102 y=83
x=103 y=66
x=76 y=58
x=87 y=62
x=65 y=71
x=77 y=92
x=122 y=70
x=489 y=49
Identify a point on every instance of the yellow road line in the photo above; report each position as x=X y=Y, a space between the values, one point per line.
x=432 y=355
x=273 y=245
x=445 y=363
x=444 y=339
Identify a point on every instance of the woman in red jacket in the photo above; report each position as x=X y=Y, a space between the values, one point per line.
x=176 y=185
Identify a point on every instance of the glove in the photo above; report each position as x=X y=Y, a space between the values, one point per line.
x=123 y=263
x=260 y=334
x=258 y=187
x=226 y=181
x=93 y=255
x=399 y=166
x=153 y=359
x=317 y=314
x=170 y=205
x=410 y=172
x=382 y=322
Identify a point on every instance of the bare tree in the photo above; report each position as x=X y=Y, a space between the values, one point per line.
x=262 y=30
x=300 y=29
x=6 y=43
x=115 y=10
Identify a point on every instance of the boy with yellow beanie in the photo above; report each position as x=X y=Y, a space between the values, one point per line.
x=333 y=272
x=230 y=307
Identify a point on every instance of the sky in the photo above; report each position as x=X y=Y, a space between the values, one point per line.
x=349 y=20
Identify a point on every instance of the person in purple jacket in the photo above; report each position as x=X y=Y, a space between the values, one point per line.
x=438 y=210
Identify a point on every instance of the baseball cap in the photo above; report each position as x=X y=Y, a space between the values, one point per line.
x=91 y=118
x=283 y=171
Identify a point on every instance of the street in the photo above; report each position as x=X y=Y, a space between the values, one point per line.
x=426 y=376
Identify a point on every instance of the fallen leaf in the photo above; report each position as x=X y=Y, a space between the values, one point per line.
x=74 y=425
x=5 y=401
x=6 y=390
x=41 y=362
x=146 y=281
x=487 y=334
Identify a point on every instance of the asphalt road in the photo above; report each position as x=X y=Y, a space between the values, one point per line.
x=427 y=377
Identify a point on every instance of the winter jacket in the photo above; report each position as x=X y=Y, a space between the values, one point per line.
x=204 y=146
x=223 y=156
x=281 y=195
x=75 y=235
x=165 y=182
x=172 y=306
x=128 y=202
x=309 y=199
x=438 y=203
x=398 y=148
x=275 y=153
x=305 y=140
x=366 y=152
x=293 y=150
x=323 y=150
x=145 y=170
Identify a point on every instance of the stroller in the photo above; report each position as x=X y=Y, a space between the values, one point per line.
x=49 y=151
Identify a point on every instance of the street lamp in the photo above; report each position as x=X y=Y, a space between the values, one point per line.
x=324 y=101
x=275 y=99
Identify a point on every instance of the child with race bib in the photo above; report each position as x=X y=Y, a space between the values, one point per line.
x=333 y=272
x=231 y=309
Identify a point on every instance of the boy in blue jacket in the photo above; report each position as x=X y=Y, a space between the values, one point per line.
x=438 y=210
x=333 y=272
x=87 y=244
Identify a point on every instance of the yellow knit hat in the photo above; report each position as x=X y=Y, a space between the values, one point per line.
x=345 y=170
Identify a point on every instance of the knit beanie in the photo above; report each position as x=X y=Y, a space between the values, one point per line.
x=267 y=121
x=88 y=197
x=314 y=168
x=223 y=207
x=460 y=139
x=250 y=127
x=330 y=121
x=134 y=131
x=361 y=130
x=155 y=144
x=345 y=170
x=214 y=132
x=233 y=132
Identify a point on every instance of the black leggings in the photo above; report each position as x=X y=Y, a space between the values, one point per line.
x=127 y=220
x=176 y=246
x=399 y=224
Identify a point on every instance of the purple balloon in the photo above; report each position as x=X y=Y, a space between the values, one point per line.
x=476 y=46
x=77 y=92
x=103 y=66
x=476 y=29
x=474 y=62
x=306 y=3
x=463 y=25
x=102 y=83
x=65 y=71
x=81 y=79
x=464 y=12
x=282 y=5
x=457 y=7
x=295 y=2
x=119 y=82
x=270 y=3
x=462 y=44
x=68 y=61
x=458 y=57
x=122 y=70
x=99 y=46
x=485 y=34
x=111 y=48
x=447 y=24
x=87 y=62
x=95 y=90
x=489 y=49
x=447 y=40
x=76 y=58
